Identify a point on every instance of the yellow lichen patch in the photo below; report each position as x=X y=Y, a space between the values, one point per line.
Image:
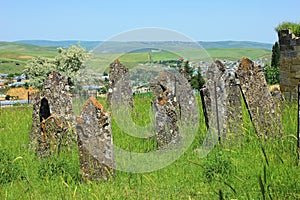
x=274 y=88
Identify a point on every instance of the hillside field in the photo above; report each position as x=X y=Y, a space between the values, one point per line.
x=13 y=56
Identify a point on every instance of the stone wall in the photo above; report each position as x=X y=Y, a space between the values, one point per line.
x=289 y=63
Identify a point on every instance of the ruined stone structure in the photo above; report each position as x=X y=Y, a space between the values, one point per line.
x=174 y=105
x=289 y=63
x=95 y=141
x=259 y=101
x=222 y=102
x=119 y=92
x=52 y=116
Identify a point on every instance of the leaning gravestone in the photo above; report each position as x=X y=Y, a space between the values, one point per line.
x=174 y=105
x=234 y=115
x=222 y=102
x=95 y=141
x=259 y=101
x=119 y=92
x=56 y=100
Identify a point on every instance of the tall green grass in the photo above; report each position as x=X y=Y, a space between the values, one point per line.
x=248 y=169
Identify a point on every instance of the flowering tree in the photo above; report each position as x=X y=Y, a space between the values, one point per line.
x=68 y=62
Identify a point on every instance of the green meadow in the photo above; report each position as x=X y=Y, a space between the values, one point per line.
x=248 y=169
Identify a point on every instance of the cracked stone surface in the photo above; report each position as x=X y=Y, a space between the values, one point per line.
x=95 y=142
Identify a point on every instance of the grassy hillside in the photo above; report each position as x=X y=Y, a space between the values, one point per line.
x=207 y=45
x=13 y=56
x=249 y=169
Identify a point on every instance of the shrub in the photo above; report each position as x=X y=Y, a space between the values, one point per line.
x=7 y=97
x=294 y=27
x=217 y=167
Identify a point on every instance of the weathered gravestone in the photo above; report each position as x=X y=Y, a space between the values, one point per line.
x=258 y=99
x=51 y=108
x=95 y=141
x=119 y=92
x=222 y=102
x=174 y=105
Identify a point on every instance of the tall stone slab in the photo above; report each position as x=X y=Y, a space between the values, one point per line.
x=234 y=115
x=57 y=91
x=95 y=141
x=289 y=63
x=259 y=101
x=119 y=92
x=55 y=100
x=222 y=102
x=174 y=105
x=51 y=137
x=36 y=122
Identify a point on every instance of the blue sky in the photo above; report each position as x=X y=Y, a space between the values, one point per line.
x=209 y=20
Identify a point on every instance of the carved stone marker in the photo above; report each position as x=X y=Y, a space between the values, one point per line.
x=56 y=101
x=95 y=141
x=222 y=101
x=234 y=115
x=259 y=101
x=119 y=92
x=174 y=105
x=51 y=137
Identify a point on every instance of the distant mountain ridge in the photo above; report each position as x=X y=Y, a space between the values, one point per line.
x=90 y=45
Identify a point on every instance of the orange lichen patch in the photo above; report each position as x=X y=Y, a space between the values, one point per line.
x=21 y=92
x=56 y=119
x=96 y=103
x=79 y=120
x=247 y=64
x=43 y=125
x=163 y=101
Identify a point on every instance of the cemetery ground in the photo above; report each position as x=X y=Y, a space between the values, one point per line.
x=245 y=169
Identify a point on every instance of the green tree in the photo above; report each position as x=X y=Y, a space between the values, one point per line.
x=197 y=81
x=187 y=68
x=272 y=75
x=272 y=72
x=275 y=62
x=68 y=62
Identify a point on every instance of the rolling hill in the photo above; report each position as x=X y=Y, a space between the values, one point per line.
x=13 y=55
x=207 y=45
